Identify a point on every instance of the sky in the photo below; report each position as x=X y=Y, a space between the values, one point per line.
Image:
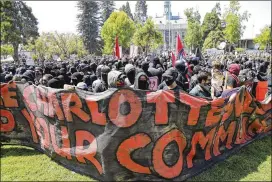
x=61 y=15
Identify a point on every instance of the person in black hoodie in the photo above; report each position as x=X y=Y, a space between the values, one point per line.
x=76 y=78
x=194 y=81
x=63 y=72
x=104 y=75
x=130 y=71
x=141 y=81
x=28 y=76
x=169 y=78
x=145 y=66
x=55 y=83
x=262 y=73
x=156 y=61
x=183 y=78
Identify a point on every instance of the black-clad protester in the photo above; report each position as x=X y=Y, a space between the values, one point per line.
x=169 y=78
x=130 y=71
x=183 y=78
x=141 y=81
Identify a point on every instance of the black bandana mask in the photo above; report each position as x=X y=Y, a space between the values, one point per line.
x=169 y=82
x=143 y=85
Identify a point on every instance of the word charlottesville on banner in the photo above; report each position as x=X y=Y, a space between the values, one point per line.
x=131 y=134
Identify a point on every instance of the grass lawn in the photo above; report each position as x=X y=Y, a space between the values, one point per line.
x=252 y=163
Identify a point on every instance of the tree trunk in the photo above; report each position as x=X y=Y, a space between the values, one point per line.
x=15 y=53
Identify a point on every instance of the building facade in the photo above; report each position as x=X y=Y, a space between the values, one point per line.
x=170 y=26
x=246 y=43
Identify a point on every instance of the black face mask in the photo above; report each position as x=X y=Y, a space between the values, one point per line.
x=143 y=85
x=169 y=82
x=131 y=76
x=104 y=77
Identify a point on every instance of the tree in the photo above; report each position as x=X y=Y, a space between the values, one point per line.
x=6 y=49
x=264 y=38
x=41 y=46
x=127 y=10
x=118 y=24
x=63 y=45
x=107 y=8
x=147 y=36
x=18 y=24
x=193 y=37
x=213 y=39
x=140 y=14
x=211 y=22
x=217 y=9
x=234 y=22
x=192 y=16
x=212 y=31
x=88 y=25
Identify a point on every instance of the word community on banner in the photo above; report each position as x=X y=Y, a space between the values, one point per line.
x=131 y=134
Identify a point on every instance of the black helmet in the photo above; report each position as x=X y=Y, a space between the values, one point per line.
x=181 y=65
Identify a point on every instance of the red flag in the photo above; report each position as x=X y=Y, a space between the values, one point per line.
x=181 y=52
x=179 y=48
x=173 y=59
x=117 y=51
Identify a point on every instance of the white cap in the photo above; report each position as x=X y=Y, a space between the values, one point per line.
x=82 y=85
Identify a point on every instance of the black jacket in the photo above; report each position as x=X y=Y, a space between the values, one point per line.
x=200 y=91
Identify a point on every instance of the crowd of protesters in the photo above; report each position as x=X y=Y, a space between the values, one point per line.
x=209 y=76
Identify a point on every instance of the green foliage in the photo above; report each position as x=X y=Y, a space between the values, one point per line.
x=264 y=38
x=239 y=50
x=35 y=57
x=6 y=49
x=193 y=37
x=118 y=24
x=18 y=24
x=107 y=8
x=147 y=36
x=211 y=21
x=217 y=9
x=213 y=39
x=127 y=10
x=232 y=31
x=88 y=25
x=140 y=14
x=212 y=32
x=63 y=45
x=234 y=22
x=192 y=16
